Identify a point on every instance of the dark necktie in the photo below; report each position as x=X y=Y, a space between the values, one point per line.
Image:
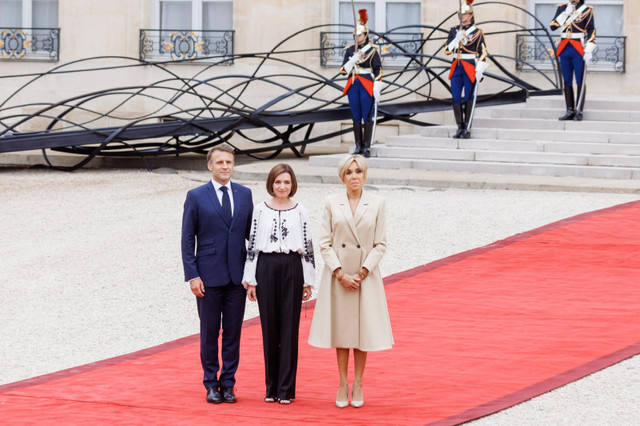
x=226 y=203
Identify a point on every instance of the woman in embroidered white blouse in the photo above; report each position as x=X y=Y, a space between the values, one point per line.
x=279 y=273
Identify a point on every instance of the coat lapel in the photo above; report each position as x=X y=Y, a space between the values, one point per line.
x=362 y=207
x=211 y=193
x=346 y=210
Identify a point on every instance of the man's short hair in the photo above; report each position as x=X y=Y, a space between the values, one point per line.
x=346 y=162
x=278 y=169
x=222 y=147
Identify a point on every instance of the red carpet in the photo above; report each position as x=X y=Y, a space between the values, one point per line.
x=475 y=333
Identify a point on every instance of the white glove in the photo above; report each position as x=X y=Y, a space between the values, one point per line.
x=456 y=40
x=588 y=52
x=588 y=56
x=562 y=18
x=481 y=67
x=460 y=35
x=352 y=61
x=377 y=87
x=356 y=57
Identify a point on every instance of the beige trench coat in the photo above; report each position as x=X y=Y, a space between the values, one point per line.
x=352 y=319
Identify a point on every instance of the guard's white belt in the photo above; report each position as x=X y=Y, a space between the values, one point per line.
x=467 y=56
x=359 y=70
x=573 y=36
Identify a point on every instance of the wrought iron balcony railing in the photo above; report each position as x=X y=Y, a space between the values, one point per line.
x=536 y=53
x=332 y=46
x=206 y=46
x=30 y=44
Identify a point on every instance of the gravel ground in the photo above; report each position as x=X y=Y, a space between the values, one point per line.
x=90 y=268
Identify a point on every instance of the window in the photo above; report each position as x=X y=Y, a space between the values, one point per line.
x=384 y=16
x=214 y=15
x=609 y=56
x=608 y=14
x=29 y=13
x=29 y=30
x=189 y=30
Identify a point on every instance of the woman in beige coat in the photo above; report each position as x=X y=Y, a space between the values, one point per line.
x=351 y=310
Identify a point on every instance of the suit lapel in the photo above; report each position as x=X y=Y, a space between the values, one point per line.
x=211 y=193
x=346 y=210
x=236 y=203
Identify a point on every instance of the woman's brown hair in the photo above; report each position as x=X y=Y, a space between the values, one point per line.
x=278 y=169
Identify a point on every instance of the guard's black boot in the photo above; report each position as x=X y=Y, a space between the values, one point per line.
x=357 y=131
x=580 y=106
x=457 y=113
x=468 y=109
x=568 y=99
x=366 y=141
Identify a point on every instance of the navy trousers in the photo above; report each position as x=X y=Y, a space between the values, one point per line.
x=221 y=306
x=460 y=80
x=360 y=103
x=571 y=62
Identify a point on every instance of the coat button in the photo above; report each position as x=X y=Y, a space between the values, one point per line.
x=358 y=245
x=343 y=245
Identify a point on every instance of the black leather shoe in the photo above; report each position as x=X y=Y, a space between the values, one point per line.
x=228 y=395
x=214 y=396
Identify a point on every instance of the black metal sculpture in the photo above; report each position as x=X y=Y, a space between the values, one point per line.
x=191 y=114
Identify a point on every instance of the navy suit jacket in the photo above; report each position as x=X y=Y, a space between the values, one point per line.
x=213 y=249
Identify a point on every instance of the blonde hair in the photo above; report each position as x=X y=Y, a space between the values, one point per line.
x=346 y=162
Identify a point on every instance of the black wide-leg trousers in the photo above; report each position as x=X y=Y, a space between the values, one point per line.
x=280 y=283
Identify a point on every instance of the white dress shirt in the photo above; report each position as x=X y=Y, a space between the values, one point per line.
x=217 y=187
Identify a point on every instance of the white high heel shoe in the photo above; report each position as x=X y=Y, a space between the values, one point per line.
x=343 y=404
x=354 y=403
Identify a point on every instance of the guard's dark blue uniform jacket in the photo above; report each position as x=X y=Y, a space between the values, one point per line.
x=580 y=30
x=368 y=70
x=468 y=51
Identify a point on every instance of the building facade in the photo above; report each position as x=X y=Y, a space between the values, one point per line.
x=40 y=35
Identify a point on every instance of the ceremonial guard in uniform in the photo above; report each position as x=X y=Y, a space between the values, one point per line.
x=467 y=43
x=363 y=64
x=576 y=22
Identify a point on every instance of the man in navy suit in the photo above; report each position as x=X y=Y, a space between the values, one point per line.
x=215 y=225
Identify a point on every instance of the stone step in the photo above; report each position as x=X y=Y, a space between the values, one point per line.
x=540 y=124
x=592 y=148
x=554 y=113
x=525 y=139
x=447 y=142
x=534 y=157
x=578 y=146
x=592 y=103
x=527 y=135
x=600 y=172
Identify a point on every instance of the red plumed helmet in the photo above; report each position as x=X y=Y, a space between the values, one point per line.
x=361 y=27
x=466 y=7
x=364 y=18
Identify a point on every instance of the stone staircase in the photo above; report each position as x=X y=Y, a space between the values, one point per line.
x=524 y=139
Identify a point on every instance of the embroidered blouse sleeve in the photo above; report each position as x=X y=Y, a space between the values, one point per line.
x=308 y=260
x=249 y=276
